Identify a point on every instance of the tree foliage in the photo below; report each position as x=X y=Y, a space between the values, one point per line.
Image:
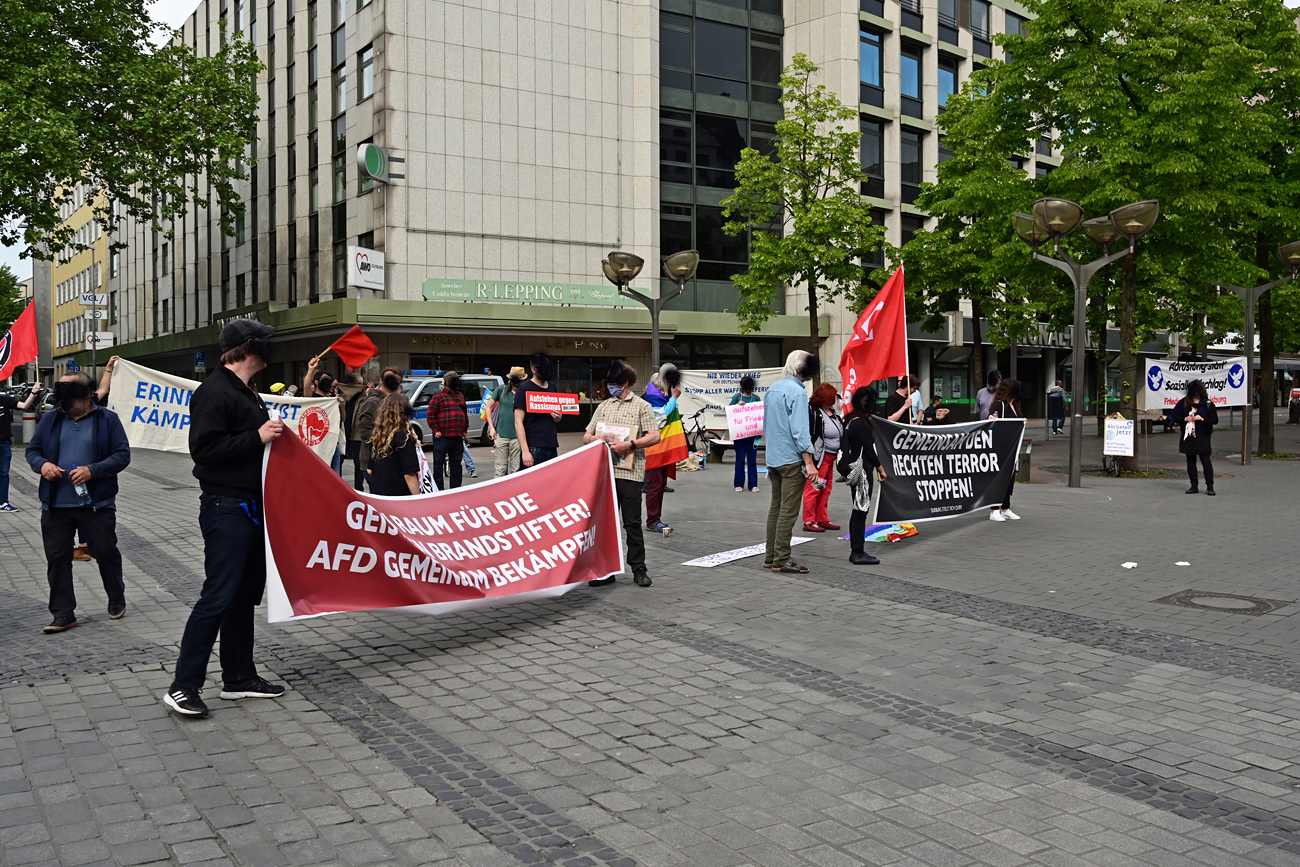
x=11 y=303
x=85 y=98
x=802 y=204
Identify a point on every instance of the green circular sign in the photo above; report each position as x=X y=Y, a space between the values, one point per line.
x=376 y=161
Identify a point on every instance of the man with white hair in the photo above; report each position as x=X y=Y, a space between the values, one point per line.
x=789 y=456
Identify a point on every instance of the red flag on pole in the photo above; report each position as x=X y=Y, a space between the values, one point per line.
x=354 y=347
x=18 y=346
x=878 y=347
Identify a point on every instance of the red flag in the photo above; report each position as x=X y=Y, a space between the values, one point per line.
x=18 y=346
x=878 y=347
x=354 y=347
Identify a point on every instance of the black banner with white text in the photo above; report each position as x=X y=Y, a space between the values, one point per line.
x=943 y=471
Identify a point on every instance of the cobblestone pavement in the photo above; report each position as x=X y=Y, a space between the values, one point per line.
x=998 y=694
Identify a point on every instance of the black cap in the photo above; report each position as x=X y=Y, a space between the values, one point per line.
x=239 y=331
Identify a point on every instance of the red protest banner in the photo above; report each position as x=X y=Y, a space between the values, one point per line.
x=529 y=535
x=551 y=401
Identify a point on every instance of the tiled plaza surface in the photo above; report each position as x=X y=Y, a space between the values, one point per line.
x=996 y=694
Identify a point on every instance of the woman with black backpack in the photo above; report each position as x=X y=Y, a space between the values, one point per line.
x=857 y=455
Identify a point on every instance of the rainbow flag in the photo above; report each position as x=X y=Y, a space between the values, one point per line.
x=671 y=447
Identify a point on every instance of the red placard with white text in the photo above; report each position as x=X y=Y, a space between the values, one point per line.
x=530 y=535
x=551 y=401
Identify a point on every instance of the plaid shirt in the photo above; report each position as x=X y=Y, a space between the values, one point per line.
x=635 y=414
x=448 y=415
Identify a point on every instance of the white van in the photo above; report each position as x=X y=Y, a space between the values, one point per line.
x=421 y=385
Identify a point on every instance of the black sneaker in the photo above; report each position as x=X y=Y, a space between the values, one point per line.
x=255 y=687
x=642 y=580
x=62 y=623
x=601 y=582
x=116 y=611
x=185 y=702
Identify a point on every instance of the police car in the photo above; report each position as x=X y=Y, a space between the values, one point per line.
x=421 y=385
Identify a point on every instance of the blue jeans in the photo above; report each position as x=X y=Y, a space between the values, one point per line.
x=234 y=558
x=6 y=455
x=746 y=453
x=540 y=456
x=469 y=461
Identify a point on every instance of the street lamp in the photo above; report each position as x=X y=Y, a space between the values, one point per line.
x=1290 y=256
x=620 y=268
x=1054 y=219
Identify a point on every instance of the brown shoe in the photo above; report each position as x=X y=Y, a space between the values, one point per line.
x=82 y=552
x=791 y=568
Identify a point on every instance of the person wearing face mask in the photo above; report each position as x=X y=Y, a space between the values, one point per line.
x=79 y=452
x=324 y=385
x=229 y=429
x=390 y=382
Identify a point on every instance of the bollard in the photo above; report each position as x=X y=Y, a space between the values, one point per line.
x=1022 y=466
x=29 y=425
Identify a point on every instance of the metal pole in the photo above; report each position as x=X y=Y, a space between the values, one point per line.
x=1249 y=297
x=1079 y=385
x=654 y=337
x=94 y=344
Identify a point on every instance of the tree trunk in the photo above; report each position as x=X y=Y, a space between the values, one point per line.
x=1264 y=320
x=1128 y=361
x=814 y=337
x=976 y=357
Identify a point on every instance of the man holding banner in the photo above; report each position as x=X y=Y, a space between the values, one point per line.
x=229 y=425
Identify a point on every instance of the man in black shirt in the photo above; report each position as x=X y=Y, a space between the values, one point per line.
x=538 y=440
x=898 y=407
x=229 y=428
x=8 y=404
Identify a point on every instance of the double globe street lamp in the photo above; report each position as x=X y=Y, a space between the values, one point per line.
x=621 y=268
x=1054 y=219
x=1290 y=256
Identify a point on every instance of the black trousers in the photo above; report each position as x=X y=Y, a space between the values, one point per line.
x=234 y=559
x=629 y=505
x=448 y=449
x=857 y=523
x=1205 y=464
x=354 y=455
x=99 y=528
x=1006 y=498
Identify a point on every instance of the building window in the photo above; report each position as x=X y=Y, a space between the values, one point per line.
x=1042 y=170
x=873 y=157
x=721 y=59
x=313 y=64
x=240 y=289
x=1043 y=146
x=674 y=51
x=945 y=152
x=870 y=68
x=948 y=21
x=340 y=178
x=366 y=240
x=114 y=263
x=765 y=67
x=362 y=4
x=910 y=145
x=912 y=14
x=675 y=147
x=910 y=225
x=313 y=190
x=721 y=255
x=366 y=73
x=293 y=263
x=340 y=134
x=718 y=143
x=947 y=79
x=339 y=102
x=909 y=80
x=979 y=28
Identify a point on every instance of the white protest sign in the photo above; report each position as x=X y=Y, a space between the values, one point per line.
x=745 y=420
x=708 y=561
x=711 y=390
x=154 y=407
x=1119 y=437
x=1224 y=379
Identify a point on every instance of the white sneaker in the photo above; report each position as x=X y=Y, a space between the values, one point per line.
x=1010 y=515
x=996 y=515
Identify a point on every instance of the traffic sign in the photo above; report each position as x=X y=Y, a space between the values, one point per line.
x=73 y=368
x=95 y=314
x=200 y=361
x=90 y=299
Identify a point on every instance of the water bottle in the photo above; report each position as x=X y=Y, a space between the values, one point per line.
x=83 y=494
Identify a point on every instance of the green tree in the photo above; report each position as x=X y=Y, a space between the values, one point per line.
x=1191 y=103
x=11 y=303
x=86 y=98
x=803 y=205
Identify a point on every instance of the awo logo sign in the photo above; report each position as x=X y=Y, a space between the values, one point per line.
x=366 y=269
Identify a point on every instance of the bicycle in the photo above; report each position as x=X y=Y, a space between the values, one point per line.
x=698 y=438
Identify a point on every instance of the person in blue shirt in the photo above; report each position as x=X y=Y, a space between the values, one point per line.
x=79 y=452
x=789 y=456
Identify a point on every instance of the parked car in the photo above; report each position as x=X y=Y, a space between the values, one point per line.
x=421 y=385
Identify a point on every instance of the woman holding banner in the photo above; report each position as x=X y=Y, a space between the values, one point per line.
x=1196 y=417
x=1006 y=404
x=746 y=448
x=394 y=466
x=858 y=453
x=827 y=430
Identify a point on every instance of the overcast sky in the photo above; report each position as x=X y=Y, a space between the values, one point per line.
x=171 y=13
